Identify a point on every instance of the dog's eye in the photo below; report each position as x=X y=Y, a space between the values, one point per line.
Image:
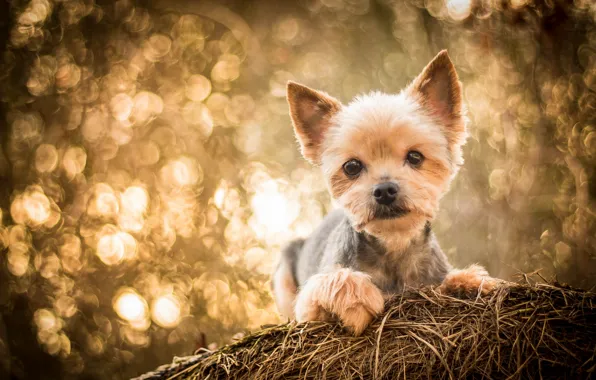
x=414 y=158
x=352 y=168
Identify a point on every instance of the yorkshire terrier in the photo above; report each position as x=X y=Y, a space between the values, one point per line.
x=387 y=160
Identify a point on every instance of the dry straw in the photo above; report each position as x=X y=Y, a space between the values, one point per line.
x=516 y=332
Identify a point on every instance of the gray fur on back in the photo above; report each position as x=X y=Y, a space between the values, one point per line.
x=336 y=244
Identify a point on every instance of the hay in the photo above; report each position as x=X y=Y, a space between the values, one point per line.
x=518 y=332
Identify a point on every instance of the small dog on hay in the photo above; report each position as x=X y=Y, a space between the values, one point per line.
x=387 y=160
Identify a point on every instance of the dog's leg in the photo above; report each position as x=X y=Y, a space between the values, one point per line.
x=469 y=280
x=349 y=295
x=284 y=290
x=284 y=280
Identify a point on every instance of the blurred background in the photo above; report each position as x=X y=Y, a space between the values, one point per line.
x=149 y=174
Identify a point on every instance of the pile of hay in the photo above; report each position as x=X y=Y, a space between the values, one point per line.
x=518 y=332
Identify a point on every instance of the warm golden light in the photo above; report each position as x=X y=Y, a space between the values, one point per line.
x=459 y=9
x=114 y=246
x=74 y=160
x=197 y=88
x=227 y=69
x=95 y=124
x=65 y=306
x=219 y=196
x=121 y=106
x=198 y=115
x=258 y=259
x=110 y=249
x=133 y=203
x=46 y=158
x=519 y=3
x=146 y=106
x=156 y=47
x=130 y=306
x=131 y=222
x=32 y=207
x=68 y=76
x=18 y=259
x=37 y=206
x=273 y=209
x=104 y=202
x=134 y=200
x=179 y=209
x=166 y=311
x=46 y=320
x=181 y=172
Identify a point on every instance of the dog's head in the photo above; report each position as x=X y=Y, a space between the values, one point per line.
x=387 y=159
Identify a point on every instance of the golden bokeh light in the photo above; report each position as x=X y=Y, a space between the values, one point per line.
x=131 y=222
x=121 y=106
x=74 y=160
x=198 y=114
x=94 y=125
x=46 y=158
x=37 y=207
x=166 y=311
x=46 y=320
x=104 y=202
x=133 y=205
x=68 y=76
x=198 y=88
x=65 y=306
x=113 y=245
x=272 y=208
x=227 y=69
x=32 y=207
x=156 y=47
x=146 y=106
x=130 y=306
x=257 y=259
x=220 y=195
x=18 y=259
x=459 y=9
x=181 y=172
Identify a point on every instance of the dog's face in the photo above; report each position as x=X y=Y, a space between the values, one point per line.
x=387 y=159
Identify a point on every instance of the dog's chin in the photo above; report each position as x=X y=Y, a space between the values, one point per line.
x=389 y=212
x=382 y=213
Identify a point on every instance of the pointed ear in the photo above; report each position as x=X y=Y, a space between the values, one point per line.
x=311 y=113
x=439 y=91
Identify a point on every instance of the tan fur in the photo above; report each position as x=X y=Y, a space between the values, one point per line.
x=382 y=147
x=469 y=280
x=348 y=294
x=284 y=290
x=311 y=112
x=339 y=183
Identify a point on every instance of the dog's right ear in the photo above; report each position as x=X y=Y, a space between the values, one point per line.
x=311 y=113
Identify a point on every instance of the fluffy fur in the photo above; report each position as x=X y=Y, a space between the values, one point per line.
x=345 y=293
x=368 y=248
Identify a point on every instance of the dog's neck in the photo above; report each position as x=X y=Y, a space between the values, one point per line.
x=399 y=240
x=404 y=260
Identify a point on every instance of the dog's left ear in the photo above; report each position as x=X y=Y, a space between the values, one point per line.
x=439 y=91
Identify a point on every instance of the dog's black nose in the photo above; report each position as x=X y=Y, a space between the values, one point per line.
x=385 y=192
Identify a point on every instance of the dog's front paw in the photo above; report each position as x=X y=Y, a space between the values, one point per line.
x=347 y=294
x=471 y=280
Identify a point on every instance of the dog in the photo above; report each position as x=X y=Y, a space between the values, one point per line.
x=387 y=160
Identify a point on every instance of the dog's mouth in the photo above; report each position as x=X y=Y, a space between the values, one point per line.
x=389 y=212
x=383 y=212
